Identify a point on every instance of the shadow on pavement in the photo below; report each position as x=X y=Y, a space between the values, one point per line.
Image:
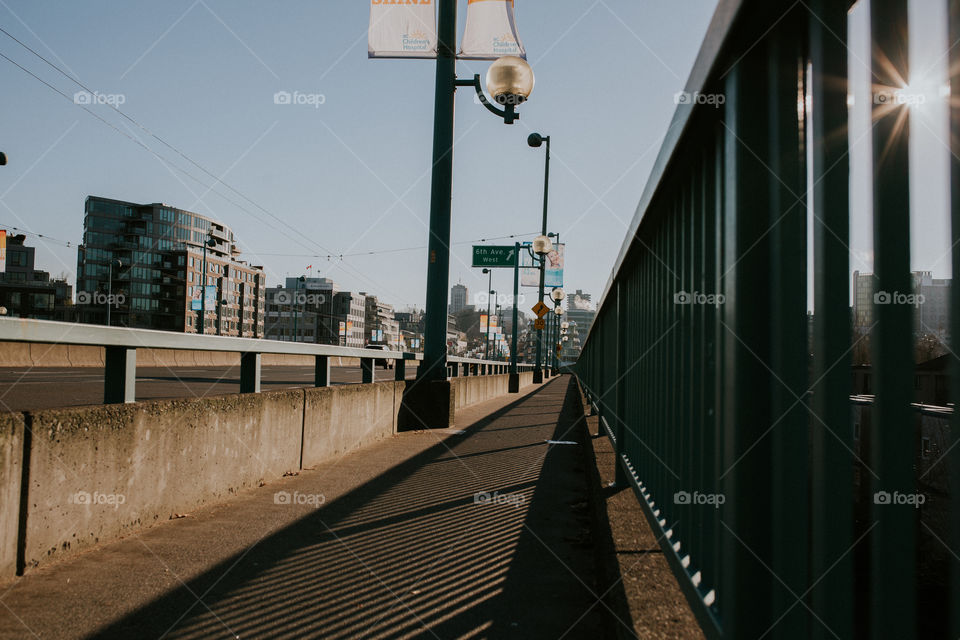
x=482 y=535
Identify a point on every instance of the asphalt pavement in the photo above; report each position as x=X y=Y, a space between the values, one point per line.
x=25 y=388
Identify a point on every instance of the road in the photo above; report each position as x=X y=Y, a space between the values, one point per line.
x=24 y=389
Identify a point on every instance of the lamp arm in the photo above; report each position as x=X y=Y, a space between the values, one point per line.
x=509 y=114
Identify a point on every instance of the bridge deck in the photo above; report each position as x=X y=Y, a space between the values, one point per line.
x=400 y=547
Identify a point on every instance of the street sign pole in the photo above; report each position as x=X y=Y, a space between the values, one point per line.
x=513 y=382
x=538 y=371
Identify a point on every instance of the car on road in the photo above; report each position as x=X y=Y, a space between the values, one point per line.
x=381 y=362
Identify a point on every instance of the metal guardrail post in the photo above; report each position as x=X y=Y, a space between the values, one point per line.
x=120 y=375
x=893 y=576
x=250 y=372
x=367 y=366
x=321 y=371
x=954 y=459
x=831 y=490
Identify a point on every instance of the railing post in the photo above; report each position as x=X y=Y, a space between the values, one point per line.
x=321 y=371
x=831 y=487
x=366 y=370
x=893 y=577
x=954 y=455
x=619 y=427
x=250 y=373
x=120 y=375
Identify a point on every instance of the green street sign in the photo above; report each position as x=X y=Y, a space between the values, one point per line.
x=491 y=256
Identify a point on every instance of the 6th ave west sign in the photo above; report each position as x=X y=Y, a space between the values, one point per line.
x=493 y=256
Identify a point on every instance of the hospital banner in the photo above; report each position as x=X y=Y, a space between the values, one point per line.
x=491 y=31
x=552 y=277
x=407 y=30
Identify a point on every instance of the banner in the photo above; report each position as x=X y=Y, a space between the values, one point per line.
x=552 y=278
x=402 y=30
x=483 y=323
x=3 y=250
x=210 y=291
x=491 y=31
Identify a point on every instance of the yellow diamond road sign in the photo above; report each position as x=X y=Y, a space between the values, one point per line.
x=541 y=309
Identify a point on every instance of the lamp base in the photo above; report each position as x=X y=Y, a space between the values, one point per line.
x=513 y=383
x=426 y=404
x=537 y=376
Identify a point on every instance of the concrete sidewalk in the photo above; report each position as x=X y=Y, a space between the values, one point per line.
x=434 y=534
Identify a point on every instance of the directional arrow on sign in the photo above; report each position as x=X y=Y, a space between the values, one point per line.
x=541 y=309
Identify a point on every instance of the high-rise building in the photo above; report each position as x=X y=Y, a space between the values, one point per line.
x=27 y=292
x=146 y=262
x=350 y=313
x=302 y=310
x=580 y=315
x=458 y=298
x=382 y=326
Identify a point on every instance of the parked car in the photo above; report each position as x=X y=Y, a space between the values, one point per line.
x=383 y=362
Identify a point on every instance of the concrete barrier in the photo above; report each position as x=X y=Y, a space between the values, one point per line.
x=468 y=390
x=343 y=418
x=97 y=473
x=94 y=474
x=11 y=472
x=26 y=354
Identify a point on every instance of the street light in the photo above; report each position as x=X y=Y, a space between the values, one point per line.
x=557 y=295
x=486 y=345
x=535 y=140
x=210 y=242
x=510 y=81
x=115 y=261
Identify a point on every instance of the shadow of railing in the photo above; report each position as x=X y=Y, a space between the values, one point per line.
x=411 y=552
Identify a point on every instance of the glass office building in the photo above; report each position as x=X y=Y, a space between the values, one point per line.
x=144 y=263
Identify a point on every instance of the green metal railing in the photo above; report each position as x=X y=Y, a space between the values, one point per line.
x=732 y=423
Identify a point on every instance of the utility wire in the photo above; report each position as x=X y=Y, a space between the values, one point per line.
x=156 y=137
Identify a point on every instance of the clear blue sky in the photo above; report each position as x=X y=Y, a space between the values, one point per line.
x=353 y=175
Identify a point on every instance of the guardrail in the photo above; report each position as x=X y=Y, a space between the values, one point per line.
x=738 y=444
x=121 y=344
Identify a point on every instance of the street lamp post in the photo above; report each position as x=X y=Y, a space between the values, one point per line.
x=486 y=345
x=557 y=295
x=114 y=261
x=513 y=381
x=510 y=81
x=535 y=140
x=210 y=242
